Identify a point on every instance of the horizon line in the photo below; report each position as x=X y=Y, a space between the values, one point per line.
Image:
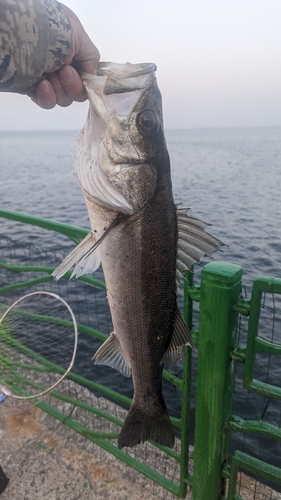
x=165 y=129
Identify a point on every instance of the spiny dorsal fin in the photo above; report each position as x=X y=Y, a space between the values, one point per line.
x=193 y=241
x=181 y=337
x=110 y=354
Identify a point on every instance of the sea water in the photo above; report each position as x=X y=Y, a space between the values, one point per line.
x=230 y=178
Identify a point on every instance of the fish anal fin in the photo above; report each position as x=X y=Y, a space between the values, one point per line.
x=110 y=354
x=139 y=427
x=181 y=337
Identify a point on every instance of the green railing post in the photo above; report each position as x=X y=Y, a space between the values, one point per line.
x=220 y=289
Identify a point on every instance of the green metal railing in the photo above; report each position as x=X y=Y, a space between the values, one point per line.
x=215 y=472
x=220 y=289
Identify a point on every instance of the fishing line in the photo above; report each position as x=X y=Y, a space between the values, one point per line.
x=38 y=345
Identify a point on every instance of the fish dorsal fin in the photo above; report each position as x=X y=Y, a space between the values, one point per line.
x=193 y=241
x=181 y=337
x=85 y=256
x=110 y=354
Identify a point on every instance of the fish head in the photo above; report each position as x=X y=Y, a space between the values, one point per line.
x=122 y=145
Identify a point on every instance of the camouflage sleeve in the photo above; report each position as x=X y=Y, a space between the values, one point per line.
x=35 y=37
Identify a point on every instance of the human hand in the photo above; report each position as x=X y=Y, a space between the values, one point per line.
x=65 y=85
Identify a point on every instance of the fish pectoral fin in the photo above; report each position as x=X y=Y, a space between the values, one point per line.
x=193 y=241
x=85 y=257
x=110 y=354
x=180 y=338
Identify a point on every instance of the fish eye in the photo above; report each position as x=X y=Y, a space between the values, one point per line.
x=147 y=122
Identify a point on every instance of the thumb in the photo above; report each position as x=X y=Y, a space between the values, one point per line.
x=86 y=53
x=90 y=66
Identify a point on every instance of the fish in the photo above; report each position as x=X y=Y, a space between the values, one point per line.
x=143 y=239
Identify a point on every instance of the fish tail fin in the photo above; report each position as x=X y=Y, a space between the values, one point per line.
x=139 y=427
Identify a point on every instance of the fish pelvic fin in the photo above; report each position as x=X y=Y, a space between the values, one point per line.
x=110 y=354
x=140 y=427
x=193 y=241
x=180 y=338
x=84 y=257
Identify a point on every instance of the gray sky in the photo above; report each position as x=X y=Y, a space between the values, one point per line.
x=219 y=61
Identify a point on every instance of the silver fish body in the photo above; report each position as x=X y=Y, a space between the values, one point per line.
x=139 y=267
x=124 y=170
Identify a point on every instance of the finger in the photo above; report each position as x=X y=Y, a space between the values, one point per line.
x=89 y=66
x=72 y=83
x=62 y=98
x=88 y=55
x=44 y=95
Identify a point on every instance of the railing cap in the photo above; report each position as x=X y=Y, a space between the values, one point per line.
x=220 y=271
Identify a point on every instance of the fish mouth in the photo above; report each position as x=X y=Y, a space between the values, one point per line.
x=125 y=77
x=121 y=78
x=124 y=70
x=113 y=79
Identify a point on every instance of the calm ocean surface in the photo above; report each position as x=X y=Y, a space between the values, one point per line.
x=229 y=177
